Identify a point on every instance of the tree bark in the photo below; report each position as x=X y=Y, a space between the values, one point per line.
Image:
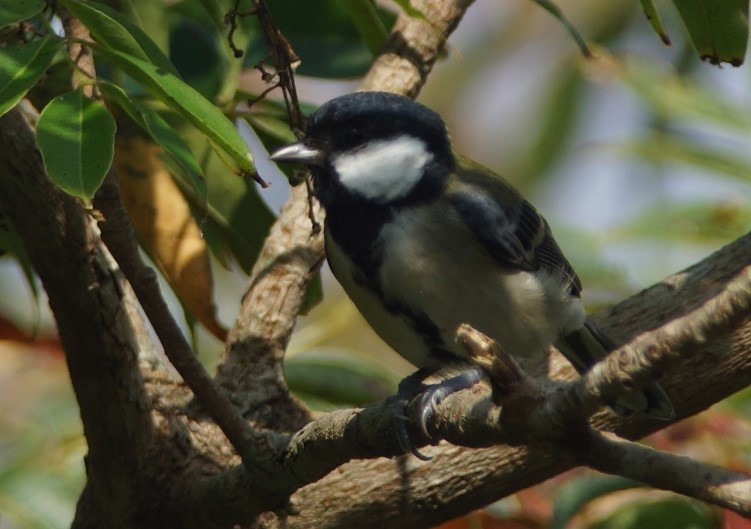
x=155 y=460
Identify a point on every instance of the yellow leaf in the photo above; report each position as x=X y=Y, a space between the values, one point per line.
x=163 y=221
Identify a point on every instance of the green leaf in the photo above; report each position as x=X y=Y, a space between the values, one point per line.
x=650 y=11
x=718 y=28
x=576 y=493
x=234 y=217
x=274 y=127
x=665 y=513
x=195 y=51
x=339 y=377
x=184 y=100
x=76 y=136
x=21 y=67
x=113 y=30
x=184 y=164
x=11 y=241
x=322 y=34
x=554 y=10
x=364 y=15
x=151 y=17
x=558 y=116
x=18 y=10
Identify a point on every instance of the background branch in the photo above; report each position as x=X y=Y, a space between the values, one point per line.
x=645 y=357
x=662 y=470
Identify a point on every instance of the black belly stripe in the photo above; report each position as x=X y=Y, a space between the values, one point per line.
x=367 y=259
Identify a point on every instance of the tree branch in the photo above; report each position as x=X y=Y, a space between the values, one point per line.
x=119 y=236
x=645 y=357
x=95 y=331
x=408 y=495
x=662 y=470
x=251 y=367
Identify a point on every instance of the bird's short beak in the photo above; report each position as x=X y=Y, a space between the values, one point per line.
x=298 y=153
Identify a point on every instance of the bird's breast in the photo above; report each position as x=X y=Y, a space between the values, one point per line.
x=434 y=274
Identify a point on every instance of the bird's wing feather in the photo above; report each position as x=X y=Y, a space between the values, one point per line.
x=509 y=227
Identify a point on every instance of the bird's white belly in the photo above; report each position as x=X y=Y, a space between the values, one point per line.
x=440 y=270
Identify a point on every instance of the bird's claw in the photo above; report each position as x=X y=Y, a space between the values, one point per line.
x=430 y=398
x=402 y=430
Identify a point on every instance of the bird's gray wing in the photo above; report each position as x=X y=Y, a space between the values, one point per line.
x=508 y=226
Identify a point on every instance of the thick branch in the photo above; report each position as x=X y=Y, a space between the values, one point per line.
x=406 y=495
x=636 y=363
x=343 y=435
x=119 y=236
x=413 y=47
x=94 y=329
x=252 y=364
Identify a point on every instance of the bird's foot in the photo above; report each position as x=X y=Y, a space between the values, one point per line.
x=430 y=397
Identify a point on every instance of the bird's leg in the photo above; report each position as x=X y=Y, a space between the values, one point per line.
x=432 y=395
x=410 y=387
x=435 y=393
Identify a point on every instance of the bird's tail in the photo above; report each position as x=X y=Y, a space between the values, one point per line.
x=588 y=345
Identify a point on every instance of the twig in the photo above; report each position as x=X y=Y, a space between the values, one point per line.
x=81 y=55
x=636 y=363
x=662 y=470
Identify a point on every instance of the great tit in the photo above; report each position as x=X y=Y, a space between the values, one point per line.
x=423 y=239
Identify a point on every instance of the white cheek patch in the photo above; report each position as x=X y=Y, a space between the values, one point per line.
x=383 y=170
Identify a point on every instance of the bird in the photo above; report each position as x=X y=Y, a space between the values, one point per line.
x=423 y=239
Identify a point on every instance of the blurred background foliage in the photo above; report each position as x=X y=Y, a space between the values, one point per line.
x=640 y=158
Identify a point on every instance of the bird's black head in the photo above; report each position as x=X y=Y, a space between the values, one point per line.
x=375 y=147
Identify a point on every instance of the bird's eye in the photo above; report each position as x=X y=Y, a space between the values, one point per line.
x=355 y=136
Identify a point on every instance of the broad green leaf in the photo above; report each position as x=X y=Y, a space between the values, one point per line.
x=21 y=67
x=718 y=28
x=576 y=493
x=113 y=30
x=232 y=56
x=13 y=11
x=184 y=100
x=200 y=45
x=650 y=11
x=76 y=136
x=151 y=17
x=184 y=163
x=339 y=377
x=195 y=52
x=365 y=17
x=322 y=34
x=235 y=220
x=665 y=513
x=275 y=128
